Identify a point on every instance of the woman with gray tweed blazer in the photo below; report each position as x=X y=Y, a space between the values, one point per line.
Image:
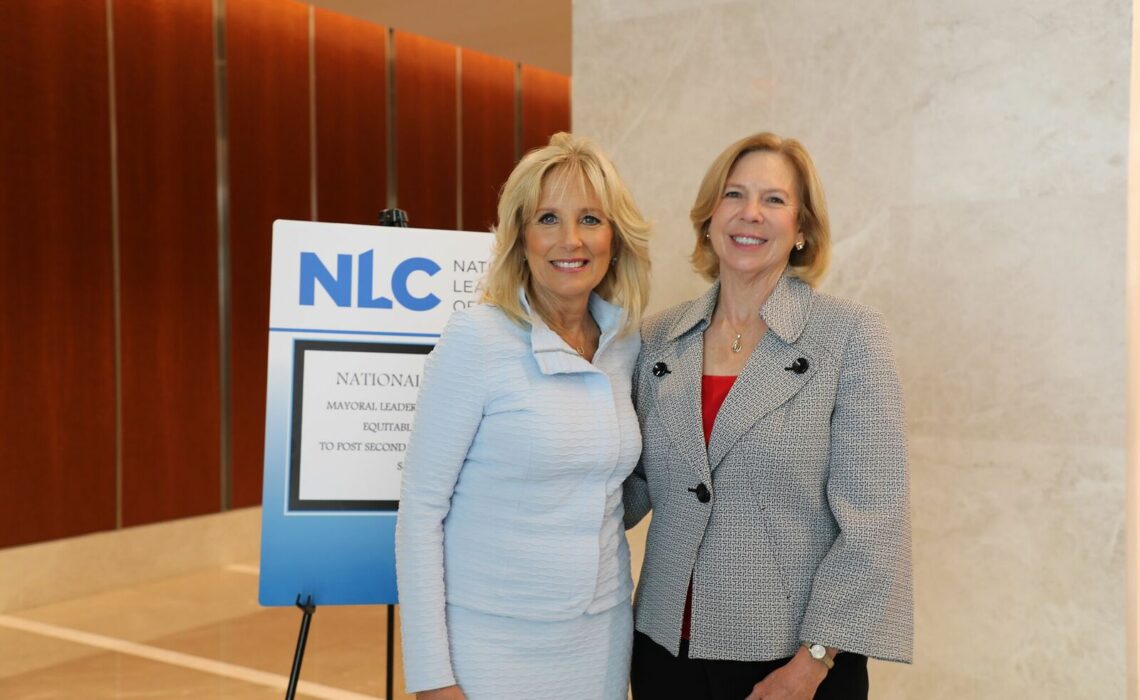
x=773 y=459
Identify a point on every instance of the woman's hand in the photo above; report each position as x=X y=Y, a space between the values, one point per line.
x=796 y=680
x=451 y=692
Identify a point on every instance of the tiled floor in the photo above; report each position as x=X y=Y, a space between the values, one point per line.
x=197 y=636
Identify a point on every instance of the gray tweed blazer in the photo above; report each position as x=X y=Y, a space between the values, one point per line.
x=804 y=530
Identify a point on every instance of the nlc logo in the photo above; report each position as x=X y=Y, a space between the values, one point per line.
x=339 y=285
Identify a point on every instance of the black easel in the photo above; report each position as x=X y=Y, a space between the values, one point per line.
x=391 y=653
x=308 y=608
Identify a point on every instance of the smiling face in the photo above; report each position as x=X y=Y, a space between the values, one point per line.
x=568 y=242
x=755 y=225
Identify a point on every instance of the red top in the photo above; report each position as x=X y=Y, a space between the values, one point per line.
x=714 y=389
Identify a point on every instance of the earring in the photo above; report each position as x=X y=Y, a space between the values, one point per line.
x=613 y=261
x=799 y=245
x=706 y=234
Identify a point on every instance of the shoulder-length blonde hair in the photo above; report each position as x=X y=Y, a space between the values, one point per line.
x=808 y=264
x=626 y=283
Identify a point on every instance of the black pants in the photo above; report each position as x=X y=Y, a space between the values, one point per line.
x=656 y=674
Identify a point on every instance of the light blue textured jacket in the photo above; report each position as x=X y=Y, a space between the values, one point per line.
x=511 y=499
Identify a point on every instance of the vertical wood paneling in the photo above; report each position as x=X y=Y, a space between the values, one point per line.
x=57 y=360
x=267 y=72
x=164 y=106
x=545 y=106
x=57 y=453
x=488 y=106
x=352 y=124
x=426 y=138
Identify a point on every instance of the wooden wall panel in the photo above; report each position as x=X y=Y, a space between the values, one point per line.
x=488 y=106
x=267 y=63
x=164 y=106
x=57 y=454
x=426 y=133
x=352 y=123
x=57 y=403
x=545 y=106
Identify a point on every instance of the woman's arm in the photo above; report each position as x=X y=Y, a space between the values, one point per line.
x=861 y=594
x=448 y=412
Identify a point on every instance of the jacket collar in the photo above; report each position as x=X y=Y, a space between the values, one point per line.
x=553 y=354
x=785 y=312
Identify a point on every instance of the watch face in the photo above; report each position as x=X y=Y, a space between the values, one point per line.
x=817 y=651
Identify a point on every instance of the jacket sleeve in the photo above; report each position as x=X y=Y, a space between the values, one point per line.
x=635 y=491
x=635 y=497
x=861 y=599
x=448 y=412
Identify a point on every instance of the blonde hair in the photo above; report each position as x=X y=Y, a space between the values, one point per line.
x=626 y=283
x=808 y=264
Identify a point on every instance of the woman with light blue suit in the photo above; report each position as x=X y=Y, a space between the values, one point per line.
x=511 y=556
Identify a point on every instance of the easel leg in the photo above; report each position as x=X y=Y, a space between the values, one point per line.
x=302 y=637
x=388 y=685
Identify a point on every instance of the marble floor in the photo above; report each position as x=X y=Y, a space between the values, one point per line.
x=201 y=635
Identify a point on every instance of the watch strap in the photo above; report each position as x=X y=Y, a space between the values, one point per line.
x=819 y=653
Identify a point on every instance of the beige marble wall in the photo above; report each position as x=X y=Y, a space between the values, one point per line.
x=975 y=159
x=1132 y=647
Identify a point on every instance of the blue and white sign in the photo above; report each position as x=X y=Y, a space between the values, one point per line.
x=354 y=310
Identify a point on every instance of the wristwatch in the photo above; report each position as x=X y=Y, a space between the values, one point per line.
x=819 y=653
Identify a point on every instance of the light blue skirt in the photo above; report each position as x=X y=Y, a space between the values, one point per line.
x=504 y=658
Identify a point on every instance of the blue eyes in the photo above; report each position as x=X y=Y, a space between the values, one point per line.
x=772 y=199
x=550 y=219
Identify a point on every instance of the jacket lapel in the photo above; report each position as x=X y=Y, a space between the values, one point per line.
x=680 y=400
x=767 y=381
x=679 y=392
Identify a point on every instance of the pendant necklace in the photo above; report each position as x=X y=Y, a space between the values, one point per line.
x=578 y=348
x=738 y=337
x=737 y=346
